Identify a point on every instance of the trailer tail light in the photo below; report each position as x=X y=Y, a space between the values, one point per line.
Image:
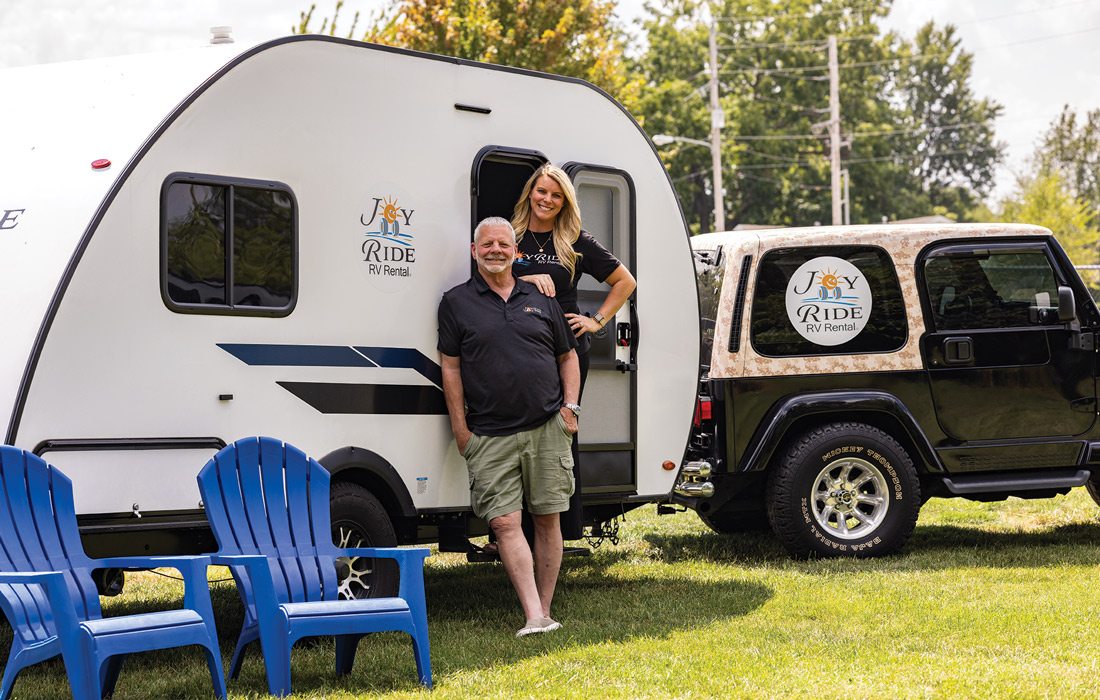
x=101 y=164
x=703 y=411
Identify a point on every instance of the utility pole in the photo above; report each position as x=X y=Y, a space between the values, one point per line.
x=834 y=127
x=717 y=122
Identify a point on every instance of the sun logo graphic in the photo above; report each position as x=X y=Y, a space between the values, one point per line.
x=388 y=241
x=390 y=218
x=828 y=301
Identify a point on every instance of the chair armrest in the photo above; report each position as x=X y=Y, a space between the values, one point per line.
x=249 y=561
x=411 y=585
x=57 y=593
x=39 y=577
x=196 y=591
x=402 y=555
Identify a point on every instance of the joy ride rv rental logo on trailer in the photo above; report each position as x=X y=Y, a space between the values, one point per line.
x=387 y=248
x=828 y=301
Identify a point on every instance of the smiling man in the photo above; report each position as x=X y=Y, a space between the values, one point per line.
x=511 y=378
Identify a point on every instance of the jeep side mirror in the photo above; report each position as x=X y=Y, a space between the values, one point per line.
x=1067 y=307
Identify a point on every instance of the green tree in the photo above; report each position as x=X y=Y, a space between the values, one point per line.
x=1046 y=200
x=901 y=106
x=578 y=38
x=1071 y=148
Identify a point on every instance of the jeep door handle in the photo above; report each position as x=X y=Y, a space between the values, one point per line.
x=958 y=351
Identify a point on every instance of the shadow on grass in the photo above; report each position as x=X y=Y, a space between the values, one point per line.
x=473 y=614
x=932 y=547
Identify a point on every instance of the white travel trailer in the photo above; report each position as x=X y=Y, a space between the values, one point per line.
x=208 y=244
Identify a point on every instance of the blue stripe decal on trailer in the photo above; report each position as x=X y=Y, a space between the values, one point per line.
x=335 y=356
x=297 y=355
x=407 y=358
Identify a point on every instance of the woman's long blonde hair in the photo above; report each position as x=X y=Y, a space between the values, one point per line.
x=567 y=225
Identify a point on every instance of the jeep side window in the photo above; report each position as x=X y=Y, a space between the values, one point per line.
x=832 y=317
x=989 y=288
x=708 y=278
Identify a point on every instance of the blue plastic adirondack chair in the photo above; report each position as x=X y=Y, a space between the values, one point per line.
x=47 y=593
x=268 y=505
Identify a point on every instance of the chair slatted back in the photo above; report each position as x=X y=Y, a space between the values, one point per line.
x=38 y=532
x=265 y=497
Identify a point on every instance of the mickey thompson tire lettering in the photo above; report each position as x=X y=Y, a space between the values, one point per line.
x=843 y=489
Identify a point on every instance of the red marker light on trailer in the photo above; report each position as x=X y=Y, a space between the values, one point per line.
x=101 y=164
x=668 y=465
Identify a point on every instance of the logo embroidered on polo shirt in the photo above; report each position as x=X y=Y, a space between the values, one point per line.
x=532 y=310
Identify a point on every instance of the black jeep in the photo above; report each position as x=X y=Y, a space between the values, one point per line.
x=852 y=373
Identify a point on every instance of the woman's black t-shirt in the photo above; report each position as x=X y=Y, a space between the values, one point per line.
x=592 y=258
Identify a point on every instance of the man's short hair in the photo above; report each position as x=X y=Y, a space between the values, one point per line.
x=494 y=221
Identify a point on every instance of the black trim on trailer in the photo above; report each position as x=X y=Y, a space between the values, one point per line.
x=74 y=260
x=366 y=462
x=120 y=444
x=472 y=108
x=519 y=156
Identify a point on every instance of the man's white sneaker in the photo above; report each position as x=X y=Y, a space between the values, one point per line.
x=543 y=624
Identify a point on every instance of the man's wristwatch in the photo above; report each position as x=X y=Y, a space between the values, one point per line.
x=574 y=407
x=599 y=318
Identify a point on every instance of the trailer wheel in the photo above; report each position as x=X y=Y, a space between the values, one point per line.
x=359 y=520
x=844 y=489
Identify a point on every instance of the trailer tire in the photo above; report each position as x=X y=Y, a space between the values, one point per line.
x=843 y=489
x=359 y=520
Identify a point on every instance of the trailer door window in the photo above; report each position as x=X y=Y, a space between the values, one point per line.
x=228 y=246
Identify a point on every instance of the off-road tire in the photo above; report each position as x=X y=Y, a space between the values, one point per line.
x=1093 y=487
x=843 y=489
x=359 y=520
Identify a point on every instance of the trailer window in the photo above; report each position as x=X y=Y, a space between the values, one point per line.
x=228 y=246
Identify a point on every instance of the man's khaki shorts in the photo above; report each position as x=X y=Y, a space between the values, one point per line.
x=535 y=463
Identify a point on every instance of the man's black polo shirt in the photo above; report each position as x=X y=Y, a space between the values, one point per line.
x=508 y=353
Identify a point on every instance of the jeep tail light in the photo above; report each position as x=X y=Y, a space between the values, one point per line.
x=703 y=411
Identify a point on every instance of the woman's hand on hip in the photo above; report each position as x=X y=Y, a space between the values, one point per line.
x=544 y=283
x=582 y=324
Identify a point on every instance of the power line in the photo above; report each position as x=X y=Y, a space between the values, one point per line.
x=804 y=15
x=900 y=59
x=859 y=134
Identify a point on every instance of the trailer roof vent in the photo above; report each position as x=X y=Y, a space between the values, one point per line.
x=221 y=35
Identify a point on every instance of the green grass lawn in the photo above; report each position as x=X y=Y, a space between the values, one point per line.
x=988 y=600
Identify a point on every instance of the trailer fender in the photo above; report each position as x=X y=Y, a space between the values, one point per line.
x=784 y=414
x=371 y=471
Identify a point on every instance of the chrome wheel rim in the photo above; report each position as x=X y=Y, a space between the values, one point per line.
x=849 y=498
x=357 y=583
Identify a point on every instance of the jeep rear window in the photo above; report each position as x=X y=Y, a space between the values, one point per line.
x=844 y=300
